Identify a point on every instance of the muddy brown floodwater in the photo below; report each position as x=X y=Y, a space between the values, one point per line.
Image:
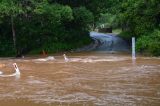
x=88 y=79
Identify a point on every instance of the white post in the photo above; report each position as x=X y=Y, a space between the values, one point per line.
x=133 y=48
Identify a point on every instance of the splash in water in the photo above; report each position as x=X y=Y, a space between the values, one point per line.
x=49 y=58
x=1 y=72
x=65 y=58
x=17 y=73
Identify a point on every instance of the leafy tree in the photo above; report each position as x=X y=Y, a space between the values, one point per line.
x=107 y=19
x=10 y=9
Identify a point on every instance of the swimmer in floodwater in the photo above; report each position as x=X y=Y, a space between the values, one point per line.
x=17 y=73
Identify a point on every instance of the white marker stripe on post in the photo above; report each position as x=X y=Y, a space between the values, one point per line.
x=133 y=48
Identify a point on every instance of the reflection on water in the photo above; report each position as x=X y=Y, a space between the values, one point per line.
x=88 y=79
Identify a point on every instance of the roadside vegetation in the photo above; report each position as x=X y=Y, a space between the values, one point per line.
x=141 y=18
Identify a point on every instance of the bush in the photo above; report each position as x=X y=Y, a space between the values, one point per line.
x=126 y=35
x=83 y=17
x=149 y=43
x=7 y=49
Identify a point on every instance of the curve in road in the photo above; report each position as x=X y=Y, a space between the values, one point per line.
x=110 y=42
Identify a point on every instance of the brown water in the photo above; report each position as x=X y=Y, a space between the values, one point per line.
x=88 y=79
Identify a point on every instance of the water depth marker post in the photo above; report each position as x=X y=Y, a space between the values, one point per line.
x=133 y=48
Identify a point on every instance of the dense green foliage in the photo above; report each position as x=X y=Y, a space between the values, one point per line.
x=150 y=43
x=141 y=18
x=31 y=26
x=36 y=25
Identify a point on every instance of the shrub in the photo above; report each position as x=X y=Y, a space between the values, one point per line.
x=149 y=43
x=7 y=49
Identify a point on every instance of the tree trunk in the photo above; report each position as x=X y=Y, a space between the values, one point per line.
x=13 y=32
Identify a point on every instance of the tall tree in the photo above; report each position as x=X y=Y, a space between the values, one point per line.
x=10 y=8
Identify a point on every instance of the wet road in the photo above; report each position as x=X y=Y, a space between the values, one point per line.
x=110 y=42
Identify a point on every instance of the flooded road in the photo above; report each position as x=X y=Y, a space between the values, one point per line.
x=88 y=79
x=102 y=77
